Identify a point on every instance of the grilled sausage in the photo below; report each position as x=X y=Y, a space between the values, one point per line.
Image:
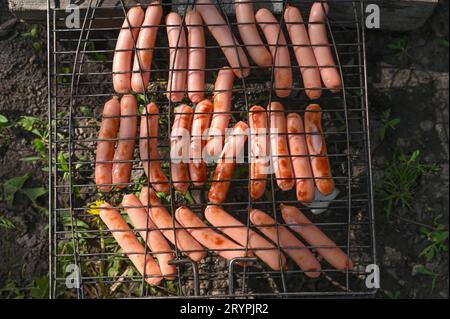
x=220 y=244
x=300 y=160
x=221 y=32
x=200 y=123
x=225 y=167
x=279 y=50
x=249 y=34
x=105 y=146
x=155 y=240
x=130 y=244
x=124 y=154
x=163 y=220
x=299 y=223
x=145 y=46
x=293 y=247
x=223 y=94
x=259 y=150
x=319 y=39
x=282 y=165
x=148 y=145
x=178 y=62
x=196 y=57
x=123 y=54
x=317 y=148
x=303 y=52
x=179 y=147
x=237 y=231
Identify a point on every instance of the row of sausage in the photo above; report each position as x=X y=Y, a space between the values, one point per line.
x=226 y=237
x=293 y=149
x=136 y=45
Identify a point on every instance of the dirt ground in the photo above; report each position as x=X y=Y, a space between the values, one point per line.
x=412 y=82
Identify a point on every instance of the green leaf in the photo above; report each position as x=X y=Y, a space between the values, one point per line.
x=34 y=193
x=39 y=145
x=12 y=186
x=3 y=119
x=6 y=223
x=422 y=270
x=28 y=122
x=63 y=164
x=37 y=46
x=85 y=110
x=443 y=42
x=39 y=288
x=34 y=30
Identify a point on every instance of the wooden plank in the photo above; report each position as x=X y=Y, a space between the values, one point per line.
x=399 y=15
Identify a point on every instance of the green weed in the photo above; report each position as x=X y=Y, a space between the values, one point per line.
x=387 y=123
x=400 y=180
x=437 y=239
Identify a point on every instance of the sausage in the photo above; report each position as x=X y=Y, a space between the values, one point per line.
x=148 y=144
x=221 y=31
x=220 y=244
x=179 y=147
x=124 y=154
x=130 y=244
x=163 y=220
x=176 y=82
x=315 y=237
x=282 y=165
x=317 y=148
x=293 y=247
x=196 y=57
x=237 y=231
x=223 y=94
x=123 y=54
x=197 y=167
x=317 y=29
x=300 y=160
x=279 y=50
x=303 y=52
x=249 y=34
x=260 y=157
x=145 y=46
x=225 y=166
x=105 y=146
x=155 y=240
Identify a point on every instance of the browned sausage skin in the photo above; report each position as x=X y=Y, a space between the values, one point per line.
x=300 y=159
x=200 y=123
x=317 y=148
x=260 y=151
x=225 y=167
x=282 y=165
x=124 y=154
x=148 y=149
x=179 y=147
x=105 y=145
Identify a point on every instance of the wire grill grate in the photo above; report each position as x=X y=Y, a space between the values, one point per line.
x=80 y=82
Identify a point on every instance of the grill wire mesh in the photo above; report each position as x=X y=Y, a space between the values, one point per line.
x=80 y=83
